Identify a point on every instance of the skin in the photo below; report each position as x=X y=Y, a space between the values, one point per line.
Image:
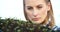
x=36 y=10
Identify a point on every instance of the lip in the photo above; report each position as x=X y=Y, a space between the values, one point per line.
x=35 y=19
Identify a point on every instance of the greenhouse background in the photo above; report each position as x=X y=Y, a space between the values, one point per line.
x=14 y=9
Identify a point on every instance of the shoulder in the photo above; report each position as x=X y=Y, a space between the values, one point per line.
x=56 y=28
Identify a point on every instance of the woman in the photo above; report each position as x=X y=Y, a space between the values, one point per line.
x=39 y=12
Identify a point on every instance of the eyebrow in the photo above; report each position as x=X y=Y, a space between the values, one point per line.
x=28 y=6
x=31 y=6
x=39 y=5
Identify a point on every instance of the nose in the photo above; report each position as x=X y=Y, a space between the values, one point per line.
x=35 y=13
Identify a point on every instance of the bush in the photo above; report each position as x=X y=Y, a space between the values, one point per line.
x=13 y=25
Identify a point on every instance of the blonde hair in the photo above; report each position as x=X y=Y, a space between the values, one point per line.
x=49 y=15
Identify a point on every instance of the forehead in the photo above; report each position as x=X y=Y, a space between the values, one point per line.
x=34 y=2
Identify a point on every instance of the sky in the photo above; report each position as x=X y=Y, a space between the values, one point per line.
x=14 y=9
x=56 y=9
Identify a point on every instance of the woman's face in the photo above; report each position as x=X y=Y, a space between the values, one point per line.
x=36 y=10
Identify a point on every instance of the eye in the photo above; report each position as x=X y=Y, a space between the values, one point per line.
x=39 y=7
x=29 y=8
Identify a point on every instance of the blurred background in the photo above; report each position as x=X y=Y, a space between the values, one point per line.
x=14 y=9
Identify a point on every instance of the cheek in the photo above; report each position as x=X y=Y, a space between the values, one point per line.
x=29 y=14
x=43 y=13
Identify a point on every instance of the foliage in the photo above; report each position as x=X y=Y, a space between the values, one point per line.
x=14 y=25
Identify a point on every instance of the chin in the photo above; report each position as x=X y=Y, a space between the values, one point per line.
x=37 y=22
